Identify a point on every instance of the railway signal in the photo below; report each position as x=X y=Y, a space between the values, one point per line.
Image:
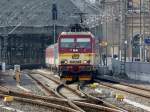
x=54 y=12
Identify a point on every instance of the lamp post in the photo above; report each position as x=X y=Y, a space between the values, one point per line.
x=106 y=46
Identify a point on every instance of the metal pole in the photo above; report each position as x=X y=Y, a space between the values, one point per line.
x=107 y=43
x=119 y=32
x=125 y=32
x=54 y=32
x=112 y=39
x=144 y=50
x=132 y=33
x=140 y=33
x=119 y=40
x=100 y=50
x=99 y=47
x=123 y=37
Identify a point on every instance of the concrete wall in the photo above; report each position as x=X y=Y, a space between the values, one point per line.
x=135 y=70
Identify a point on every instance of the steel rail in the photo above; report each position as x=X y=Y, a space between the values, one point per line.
x=97 y=107
x=111 y=107
x=126 y=90
x=48 y=90
x=59 y=82
x=55 y=99
x=57 y=93
x=69 y=101
x=126 y=84
x=100 y=100
x=42 y=103
x=134 y=86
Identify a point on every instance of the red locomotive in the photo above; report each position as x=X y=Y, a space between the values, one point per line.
x=73 y=56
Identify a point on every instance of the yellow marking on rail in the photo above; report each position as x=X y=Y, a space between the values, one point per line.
x=94 y=85
x=8 y=98
x=119 y=97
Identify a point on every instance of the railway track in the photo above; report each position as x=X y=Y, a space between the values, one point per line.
x=53 y=102
x=49 y=91
x=64 y=92
x=43 y=102
x=59 y=84
x=53 y=86
x=122 y=82
x=86 y=104
x=132 y=89
x=81 y=86
x=92 y=99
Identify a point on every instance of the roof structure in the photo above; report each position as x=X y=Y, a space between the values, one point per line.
x=38 y=12
x=86 y=6
x=35 y=12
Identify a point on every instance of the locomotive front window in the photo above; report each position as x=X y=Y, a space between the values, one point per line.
x=67 y=43
x=83 y=43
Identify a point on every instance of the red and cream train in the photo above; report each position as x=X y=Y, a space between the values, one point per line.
x=73 y=56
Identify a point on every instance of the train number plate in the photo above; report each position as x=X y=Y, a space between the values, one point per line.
x=75 y=56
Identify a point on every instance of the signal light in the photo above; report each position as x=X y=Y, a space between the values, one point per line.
x=84 y=61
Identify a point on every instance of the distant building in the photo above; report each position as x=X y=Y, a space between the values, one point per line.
x=34 y=27
x=137 y=22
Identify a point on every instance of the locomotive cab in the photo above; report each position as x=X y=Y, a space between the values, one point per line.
x=76 y=55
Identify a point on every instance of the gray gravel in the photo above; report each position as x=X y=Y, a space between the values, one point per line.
x=28 y=83
x=26 y=107
x=107 y=92
x=8 y=81
x=129 y=81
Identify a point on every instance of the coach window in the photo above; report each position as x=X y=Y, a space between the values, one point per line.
x=83 y=43
x=67 y=43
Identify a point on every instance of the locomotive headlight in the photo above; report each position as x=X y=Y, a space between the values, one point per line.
x=84 y=61
x=75 y=50
x=66 y=61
